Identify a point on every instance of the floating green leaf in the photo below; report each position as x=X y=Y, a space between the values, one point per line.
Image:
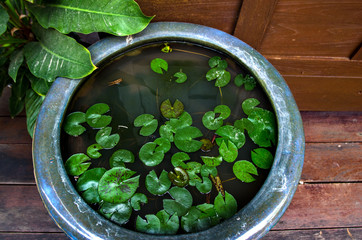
x=212 y=161
x=72 y=124
x=182 y=201
x=179 y=177
x=205 y=186
x=249 y=105
x=212 y=121
x=163 y=145
x=120 y=157
x=105 y=139
x=171 y=111
x=158 y=65
x=116 y=186
x=147 y=122
x=4 y=18
x=95 y=117
x=117 y=212
x=220 y=74
x=207 y=170
x=157 y=186
x=232 y=134
x=60 y=53
x=77 y=164
x=177 y=160
x=207 y=145
x=161 y=223
x=181 y=77
x=200 y=218
x=227 y=207
x=93 y=151
x=228 y=152
x=119 y=18
x=262 y=158
x=243 y=170
x=167 y=131
x=33 y=103
x=149 y=155
x=184 y=139
x=192 y=169
x=16 y=59
x=88 y=184
x=137 y=199
x=216 y=61
x=248 y=81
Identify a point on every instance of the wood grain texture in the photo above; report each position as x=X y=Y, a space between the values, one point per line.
x=332 y=162
x=357 y=55
x=324 y=206
x=13 y=130
x=33 y=236
x=217 y=14
x=316 y=234
x=316 y=93
x=21 y=210
x=16 y=164
x=254 y=19
x=314 y=28
x=329 y=127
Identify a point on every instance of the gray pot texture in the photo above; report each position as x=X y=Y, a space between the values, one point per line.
x=79 y=221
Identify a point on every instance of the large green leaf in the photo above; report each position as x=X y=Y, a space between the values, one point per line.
x=16 y=59
x=4 y=18
x=161 y=223
x=88 y=184
x=182 y=201
x=225 y=207
x=155 y=185
x=33 y=103
x=57 y=55
x=112 y=16
x=117 y=212
x=18 y=92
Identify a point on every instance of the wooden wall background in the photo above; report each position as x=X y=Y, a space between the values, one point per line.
x=315 y=44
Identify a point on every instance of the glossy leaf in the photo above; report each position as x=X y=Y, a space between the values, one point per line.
x=181 y=77
x=95 y=117
x=205 y=186
x=158 y=186
x=119 y=18
x=179 y=177
x=4 y=18
x=33 y=103
x=18 y=93
x=220 y=74
x=199 y=218
x=39 y=85
x=171 y=111
x=88 y=184
x=72 y=124
x=249 y=104
x=177 y=160
x=163 y=145
x=192 y=169
x=262 y=158
x=181 y=204
x=212 y=161
x=216 y=61
x=207 y=145
x=117 y=186
x=16 y=59
x=212 y=121
x=77 y=164
x=232 y=134
x=120 y=157
x=162 y=223
x=149 y=155
x=105 y=139
x=158 y=65
x=184 y=139
x=137 y=199
x=248 y=81
x=228 y=152
x=243 y=170
x=93 y=151
x=147 y=122
x=167 y=131
x=60 y=53
x=225 y=207
x=117 y=212
x=207 y=170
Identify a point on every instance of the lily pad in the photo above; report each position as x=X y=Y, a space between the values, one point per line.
x=117 y=186
x=117 y=212
x=171 y=111
x=177 y=160
x=262 y=158
x=220 y=74
x=228 y=152
x=184 y=139
x=248 y=81
x=95 y=117
x=249 y=104
x=207 y=145
x=158 y=186
x=232 y=134
x=212 y=121
x=72 y=124
x=158 y=65
x=216 y=61
x=161 y=223
x=167 y=131
x=93 y=151
x=105 y=139
x=212 y=161
x=182 y=201
x=163 y=145
x=243 y=170
x=205 y=186
x=207 y=170
x=200 y=218
x=184 y=120
x=88 y=184
x=225 y=207
x=77 y=164
x=120 y=157
x=179 y=177
x=149 y=155
x=192 y=169
x=148 y=124
x=137 y=199
x=181 y=77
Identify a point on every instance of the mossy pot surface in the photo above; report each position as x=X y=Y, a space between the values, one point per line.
x=80 y=221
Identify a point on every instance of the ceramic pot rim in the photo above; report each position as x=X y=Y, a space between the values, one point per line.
x=79 y=221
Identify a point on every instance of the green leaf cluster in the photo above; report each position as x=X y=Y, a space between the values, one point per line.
x=218 y=71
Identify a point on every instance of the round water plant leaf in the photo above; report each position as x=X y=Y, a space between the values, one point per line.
x=212 y=122
x=117 y=186
x=167 y=131
x=228 y=152
x=262 y=158
x=249 y=104
x=212 y=161
x=120 y=157
x=181 y=77
x=184 y=139
x=184 y=120
x=182 y=201
x=207 y=170
x=158 y=65
x=149 y=156
x=158 y=186
x=230 y=133
x=179 y=177
x=216 y=61
x=137 y=199
x=220 y=74
x=117 y=212
x=163 y=145
x=148 y=124
x=200 y=218
x=93 y=151
x=243 y=170
x=161 y=223
x=77 y=164
x=72 y=124
x=192 y=169
x=223 y=110
x=207 y=145
x=105 y=139
x=177 y=160
x=95 y=117
x=171 y=111
x=248 y=81
x=88 y=184
x=205 y=186
x=225 y=207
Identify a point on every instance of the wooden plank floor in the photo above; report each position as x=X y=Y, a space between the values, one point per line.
x=327 y=203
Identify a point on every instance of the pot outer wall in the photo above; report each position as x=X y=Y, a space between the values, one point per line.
x=79 y=221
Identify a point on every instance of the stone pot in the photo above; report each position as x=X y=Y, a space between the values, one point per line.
x=79 y=221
